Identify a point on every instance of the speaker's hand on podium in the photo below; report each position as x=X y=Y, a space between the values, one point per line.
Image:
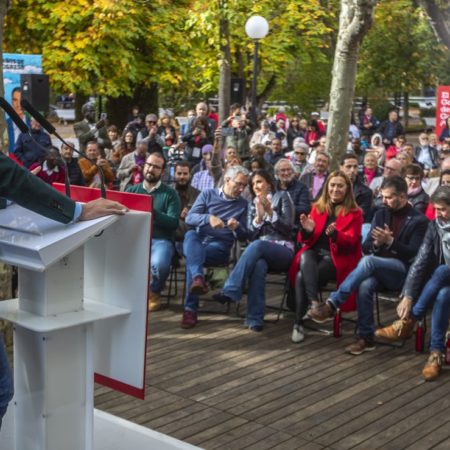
x=101 y=207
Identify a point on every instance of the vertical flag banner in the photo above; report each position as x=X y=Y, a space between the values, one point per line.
x=442 y=108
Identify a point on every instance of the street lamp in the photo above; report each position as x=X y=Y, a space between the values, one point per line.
x=256 y=28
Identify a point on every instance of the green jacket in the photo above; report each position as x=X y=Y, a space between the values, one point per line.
x=32 y=193
x=166 y=210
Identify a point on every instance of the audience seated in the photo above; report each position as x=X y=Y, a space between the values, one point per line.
x=51 y=170
x=90 y=170
x=428 y=285
x=166 y=212
x=187 y=195
x=315 y=179
x=75 y=175
x=275 y=153
x=331 y=238
x=396 y=234
x=362 y=193
x=443 y=181
x=270 y=222
x=417 y=197
x=219 y=217
x=130 y=171
x=287 y=181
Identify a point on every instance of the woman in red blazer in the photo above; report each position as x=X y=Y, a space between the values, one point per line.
x=331 y=238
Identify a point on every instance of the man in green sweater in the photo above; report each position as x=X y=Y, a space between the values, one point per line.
x=166 y=211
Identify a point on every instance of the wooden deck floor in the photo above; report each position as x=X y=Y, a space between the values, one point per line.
x=220 y=386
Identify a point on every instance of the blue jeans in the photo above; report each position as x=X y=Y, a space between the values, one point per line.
x=6 y=381
x=436 y=290
x=200 y=252
x=162 y=253
x=253 y=264
x=371 y=273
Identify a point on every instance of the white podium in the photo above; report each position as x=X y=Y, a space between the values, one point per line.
x=82 y=308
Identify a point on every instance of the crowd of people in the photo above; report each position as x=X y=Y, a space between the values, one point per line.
x=380 y=221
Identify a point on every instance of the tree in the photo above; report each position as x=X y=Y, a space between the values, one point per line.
x=393 y=62
x=117 y=49
x=438 y=12
x=354 y=22
x=299 y=31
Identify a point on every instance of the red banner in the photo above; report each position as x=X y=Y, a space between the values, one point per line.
x=442 y=108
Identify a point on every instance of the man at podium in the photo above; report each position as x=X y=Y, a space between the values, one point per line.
x=28 y=191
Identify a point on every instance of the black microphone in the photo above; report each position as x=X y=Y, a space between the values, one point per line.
x=21 y=125
x=29 y=108
x=52 y=130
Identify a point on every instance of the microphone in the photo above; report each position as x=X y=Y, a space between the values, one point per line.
x=29 y=108
x=21 y=125
x=26 y=105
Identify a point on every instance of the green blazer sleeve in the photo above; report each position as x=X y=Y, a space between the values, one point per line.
x=29 y=191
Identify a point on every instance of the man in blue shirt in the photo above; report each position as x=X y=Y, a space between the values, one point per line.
x=219 y=217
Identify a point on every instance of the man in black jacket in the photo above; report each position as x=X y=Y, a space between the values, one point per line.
x=391 y=128
x=396 y=234
x=27 y=190
x=363 y=194
x=428 y=283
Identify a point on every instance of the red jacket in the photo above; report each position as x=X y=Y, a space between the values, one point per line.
x=346 y=251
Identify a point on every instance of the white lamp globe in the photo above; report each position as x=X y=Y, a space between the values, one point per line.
x=256 y=27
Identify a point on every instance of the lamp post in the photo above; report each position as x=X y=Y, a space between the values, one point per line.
x=256 y=28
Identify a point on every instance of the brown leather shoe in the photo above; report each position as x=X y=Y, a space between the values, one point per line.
x=360 y=346
x=400 y=329
x=433 y=366
x=198 y=286
x=323 y=313
x=154 y=302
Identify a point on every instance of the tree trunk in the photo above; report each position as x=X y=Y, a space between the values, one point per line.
x=406 y=109
x=224 y=63
x=354 y=22
x=439 y=17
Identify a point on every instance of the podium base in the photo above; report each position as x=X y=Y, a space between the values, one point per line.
x=110 y=433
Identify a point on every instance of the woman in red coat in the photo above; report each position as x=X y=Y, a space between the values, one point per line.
x=331 y=238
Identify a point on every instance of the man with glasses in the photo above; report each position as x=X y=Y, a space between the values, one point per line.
x=219 y=217
x=149 y=133
x=166 y=211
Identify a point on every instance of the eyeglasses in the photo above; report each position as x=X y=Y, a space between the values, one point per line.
x=154 y=166
x=151 y=121
x=300 y=153
x=412 y=177
x=239 y=185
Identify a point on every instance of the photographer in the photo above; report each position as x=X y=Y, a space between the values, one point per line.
x=237 y=133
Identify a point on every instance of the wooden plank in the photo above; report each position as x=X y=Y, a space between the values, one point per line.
x=381 y=418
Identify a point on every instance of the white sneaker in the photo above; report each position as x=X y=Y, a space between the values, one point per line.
x=298 y=334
